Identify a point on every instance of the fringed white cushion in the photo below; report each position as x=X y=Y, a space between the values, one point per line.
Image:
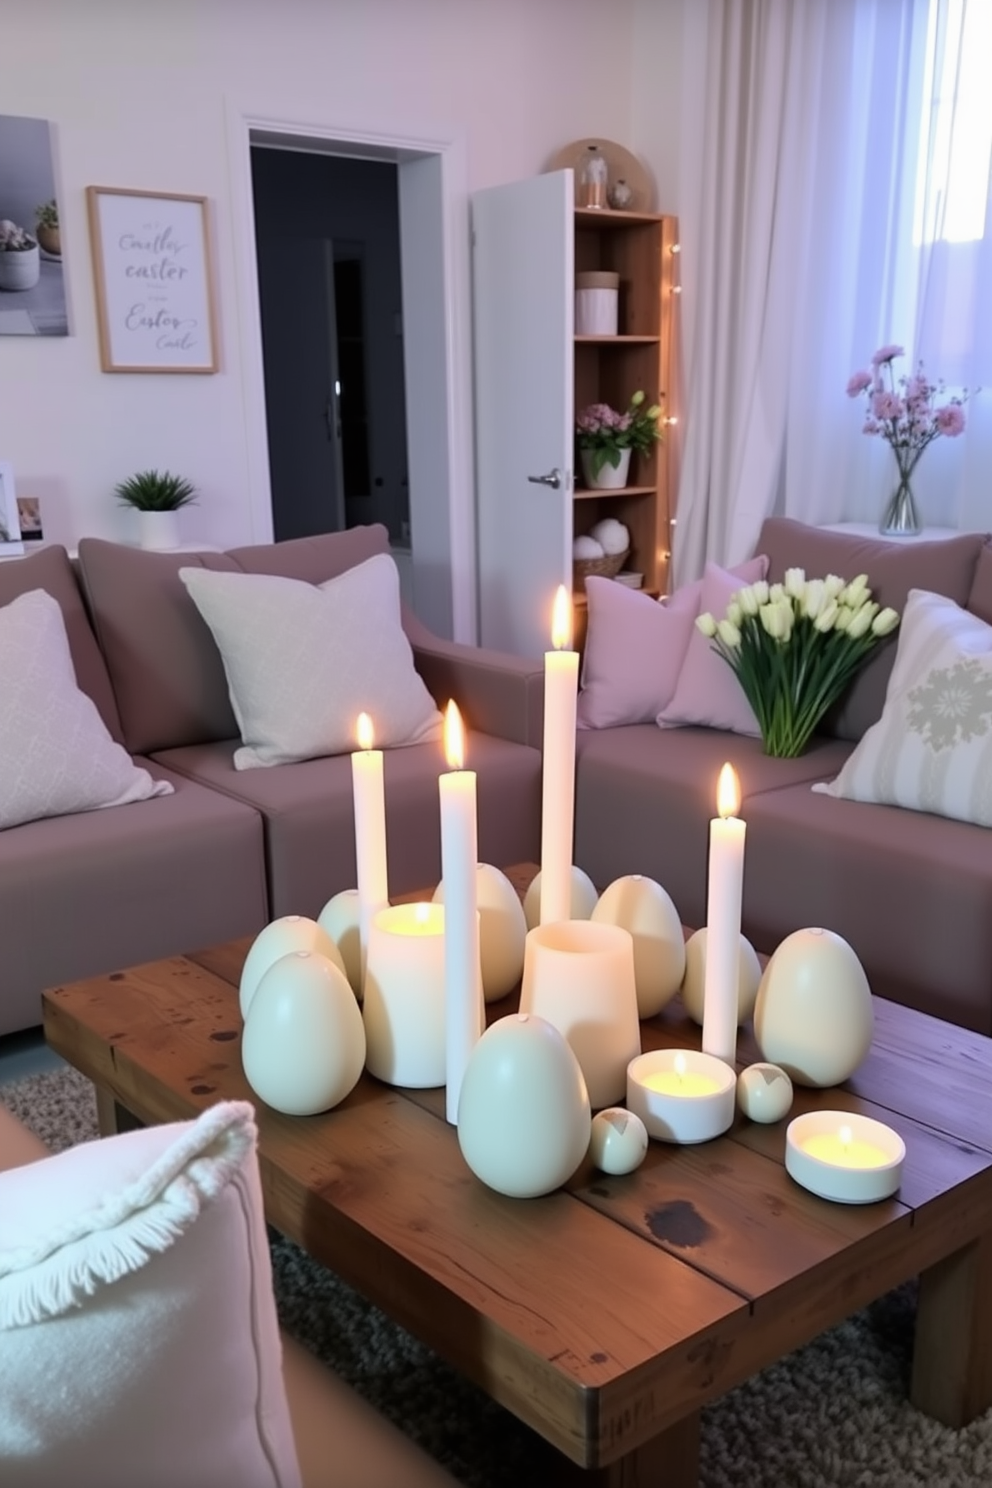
x=138 y=1334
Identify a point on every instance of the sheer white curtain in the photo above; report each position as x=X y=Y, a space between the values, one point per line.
x=813 y=223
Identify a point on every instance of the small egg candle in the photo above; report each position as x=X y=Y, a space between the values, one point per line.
x=463 y=1000
x=369 y=799
x=681 y=1095
x=561 y=682
x=845 y=1157
x=723 y=921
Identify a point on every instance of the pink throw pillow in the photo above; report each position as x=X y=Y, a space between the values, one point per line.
x=707 y=692
x=635 y=648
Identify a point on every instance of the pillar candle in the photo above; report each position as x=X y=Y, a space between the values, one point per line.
x=723 y=921
x=370 y=832
x=463 y=999
x=561 y=679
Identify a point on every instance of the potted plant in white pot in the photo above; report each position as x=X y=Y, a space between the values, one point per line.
x=20 y=261
x=156 y=497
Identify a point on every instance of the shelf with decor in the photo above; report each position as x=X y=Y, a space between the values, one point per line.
x=641 y=249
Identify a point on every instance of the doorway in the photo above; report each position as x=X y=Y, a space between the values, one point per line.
x=327 y=240
x=436 y=340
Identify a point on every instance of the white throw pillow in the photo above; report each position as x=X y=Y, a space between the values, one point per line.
x=931 y=750
x=138 y=1331
x=303 y=660
x=56 y=755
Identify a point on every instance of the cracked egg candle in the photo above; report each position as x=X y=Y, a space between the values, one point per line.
x=682 y=1095
x=845 y=1157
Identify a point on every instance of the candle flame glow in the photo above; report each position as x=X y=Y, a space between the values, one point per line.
x=366 y=735
x=728 y=792
x=846 y=1136
x=561 y=619
x=680 y=1065
x=454 y=736
x=421 y=913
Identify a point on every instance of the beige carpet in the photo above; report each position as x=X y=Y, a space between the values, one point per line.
x=831 y=1415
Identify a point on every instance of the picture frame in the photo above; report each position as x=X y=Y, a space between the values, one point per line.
x=152 y=274
x=11 y=545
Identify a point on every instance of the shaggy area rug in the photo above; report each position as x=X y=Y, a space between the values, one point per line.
x=832 y=1415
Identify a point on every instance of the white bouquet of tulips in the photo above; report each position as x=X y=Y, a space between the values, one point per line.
x=795 y=646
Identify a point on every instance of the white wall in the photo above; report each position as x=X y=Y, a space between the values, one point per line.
x=140 y=92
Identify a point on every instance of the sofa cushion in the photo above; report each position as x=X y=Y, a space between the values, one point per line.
x=707 y=692
x=51 y=570
x=56 y=755
x=309 y=817
x=980 y=596
x=893 y=568
x=167 y=675
x=912 y=895
x=96 y=891
x=304 y=660
x=645 y=798
x=931 y=750
x=635 y=647
x=139 y=1332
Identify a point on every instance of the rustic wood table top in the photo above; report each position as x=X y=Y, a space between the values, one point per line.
x=605 y=1315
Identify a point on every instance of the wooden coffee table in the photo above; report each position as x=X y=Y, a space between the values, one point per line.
x=607 y=1314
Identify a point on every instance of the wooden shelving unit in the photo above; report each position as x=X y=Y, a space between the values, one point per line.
x=642 y=247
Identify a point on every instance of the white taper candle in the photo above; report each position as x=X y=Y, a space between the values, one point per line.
x=369 y=799
x=463 y=997
x=723 y=921
x=561 y=681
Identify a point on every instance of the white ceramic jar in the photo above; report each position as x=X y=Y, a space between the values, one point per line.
x=597 y=303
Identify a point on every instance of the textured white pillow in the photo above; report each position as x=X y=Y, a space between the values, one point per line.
x=303 y=660
x=138 y=1328
x=56 y=755
x=931 y=750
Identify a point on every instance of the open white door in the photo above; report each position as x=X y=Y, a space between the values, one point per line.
x=522 y=263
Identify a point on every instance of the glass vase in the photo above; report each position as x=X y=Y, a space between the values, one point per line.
x=900 y=518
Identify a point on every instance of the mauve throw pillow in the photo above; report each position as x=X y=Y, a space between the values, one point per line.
x=708 y=693
x=635 y=647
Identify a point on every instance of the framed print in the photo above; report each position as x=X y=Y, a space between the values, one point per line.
x=151 y=264
x=10 y=526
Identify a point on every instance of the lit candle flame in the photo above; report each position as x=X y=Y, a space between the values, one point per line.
x=846 y=1136
x=454 y=736
x=421 y=913
x=728 y=792
x=366 y=736
x=680 y=1065
x=561 y=619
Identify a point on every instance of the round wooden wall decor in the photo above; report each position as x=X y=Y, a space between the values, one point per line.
x=620 y=163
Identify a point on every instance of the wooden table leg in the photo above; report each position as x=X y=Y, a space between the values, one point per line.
x=952 y=1360
x=111 y=1116
x=669 y=1460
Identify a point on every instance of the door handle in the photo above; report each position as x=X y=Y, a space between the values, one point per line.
x=552 y=479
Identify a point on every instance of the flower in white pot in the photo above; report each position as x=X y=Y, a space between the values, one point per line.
x=156 y=497
x=605 y=438
x=20 y=262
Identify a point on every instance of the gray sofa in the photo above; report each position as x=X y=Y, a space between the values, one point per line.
x=910 y=891
x=229 y=850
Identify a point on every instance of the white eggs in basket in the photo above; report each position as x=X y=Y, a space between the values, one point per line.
x=612 y=535
x=586 y=547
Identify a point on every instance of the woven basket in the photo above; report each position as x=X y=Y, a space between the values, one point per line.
x=606 y=567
